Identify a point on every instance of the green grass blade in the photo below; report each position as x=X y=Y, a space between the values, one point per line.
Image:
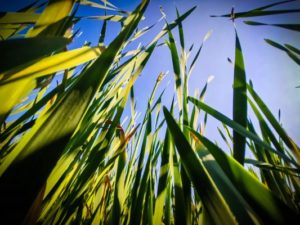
x=180 y=29
x=205 y=187
x=254 y=13
x=294 y=27
x=15 y=52
x=34 y=155
x=238 y=128
x=163 y=181
x=264 y=202
x=292 y=48
x=54 y=12
x=267 y=166
x=239 y=102
x=176 y=67
x=295 y=58
x=282 y=133
x=173 y=24
x=18 y=17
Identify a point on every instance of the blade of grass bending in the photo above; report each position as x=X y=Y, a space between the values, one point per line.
x=46 y=25
x=37 y=106
x=35 y=155
x=286 y=50
x=15 y=52
x=211 y=198
x=222 y=118
x=239 y=102
x=276 y=182
x=54 y=12
x=265 y=128
x=20 y=78
x=18 y=17
x=282 y=133
x=15 y=29
x=284 y=169
x=22 y=88
x=172 y=25
x=99 y=6
x=295 y=27
x=51 y=64
x=292 y=48
x=266 y=13
x=10 y=99
x=191 y=68
x=273 y=4
x=264 y=202
x=258 y=11
x=112 y=18
x=242 y=211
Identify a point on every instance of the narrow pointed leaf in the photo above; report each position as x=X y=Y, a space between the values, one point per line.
x=294 y=57
x=210 y=195
x=36 y=154
x=239 y=102
x=55 y=11
x=264 y=202
x=270 y=117
x=15 y=52
x=295 y=27
x=238 y=128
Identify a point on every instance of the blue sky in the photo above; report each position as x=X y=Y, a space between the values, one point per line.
x=273 y=73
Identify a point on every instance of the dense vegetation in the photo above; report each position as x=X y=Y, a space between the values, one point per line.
x=66 y=158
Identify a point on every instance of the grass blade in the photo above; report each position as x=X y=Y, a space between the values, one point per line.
x=210 y=195
x=264 y=202
x=238 y=128
x=34 y=155
x=294 y=27
x=54 y=12
x=282 y=133
x=19 y=51
x=281 y=47
x=239 y=102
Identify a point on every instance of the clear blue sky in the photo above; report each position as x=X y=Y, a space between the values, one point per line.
x=273 y=73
